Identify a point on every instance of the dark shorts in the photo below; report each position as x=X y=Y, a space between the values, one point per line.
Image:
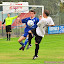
x=37 y=37
x=8 y=28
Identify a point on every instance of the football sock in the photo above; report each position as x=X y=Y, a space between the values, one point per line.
x=7 y=36
x=21 y=43
x=26 y=41
x=36 y=50
x=30 y=37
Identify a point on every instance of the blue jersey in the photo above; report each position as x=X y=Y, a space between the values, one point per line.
x=27 y=28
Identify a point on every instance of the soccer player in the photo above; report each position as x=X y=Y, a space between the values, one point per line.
x=40 y=30
x=8 y=22
x=35 y=20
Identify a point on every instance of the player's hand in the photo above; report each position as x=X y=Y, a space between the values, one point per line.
x=40 y=17
x=2 y=25
x=18 y=19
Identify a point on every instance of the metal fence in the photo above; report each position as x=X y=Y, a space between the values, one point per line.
x=17 y=27
x=17 y=30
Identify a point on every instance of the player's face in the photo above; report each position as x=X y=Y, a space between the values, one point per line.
x=43 y=14
x=8 y=15
x=32 y=14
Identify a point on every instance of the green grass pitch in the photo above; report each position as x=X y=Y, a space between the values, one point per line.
x=51 y=51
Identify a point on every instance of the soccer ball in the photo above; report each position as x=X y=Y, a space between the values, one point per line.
x=30 y=23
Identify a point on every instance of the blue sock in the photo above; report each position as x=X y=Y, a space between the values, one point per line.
x=21 y=43
x=26 y=41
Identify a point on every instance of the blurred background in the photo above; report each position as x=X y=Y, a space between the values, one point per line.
x=56 y=8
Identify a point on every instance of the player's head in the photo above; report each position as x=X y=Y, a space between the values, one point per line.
x=32 y=13
x=46 y=13
x=8 y=15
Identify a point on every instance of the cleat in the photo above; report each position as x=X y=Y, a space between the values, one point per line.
x=37 y=56
x=34 y=57
x=21 y=48
x=7 y=40
x=29 y=46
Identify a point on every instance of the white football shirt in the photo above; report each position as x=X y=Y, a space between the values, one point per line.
x=42 y=24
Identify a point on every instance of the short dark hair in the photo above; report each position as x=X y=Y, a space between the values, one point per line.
x=32 y=11
x=46 y=12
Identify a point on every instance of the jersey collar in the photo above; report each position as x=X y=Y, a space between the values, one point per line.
x=32 y=18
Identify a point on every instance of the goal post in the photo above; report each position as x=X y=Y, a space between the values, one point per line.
x=25 y=6
x=18 y=28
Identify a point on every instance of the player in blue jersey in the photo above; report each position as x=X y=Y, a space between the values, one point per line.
x=27 y=28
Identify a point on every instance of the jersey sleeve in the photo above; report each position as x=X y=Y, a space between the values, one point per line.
x=14 y=17
x=51 y=22
x=24 y=20
x=37 y=20
x=3 y=21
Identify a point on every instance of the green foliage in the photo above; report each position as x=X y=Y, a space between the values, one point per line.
x=61 y=7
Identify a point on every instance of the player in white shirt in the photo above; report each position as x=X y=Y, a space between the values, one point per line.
x=39 y=32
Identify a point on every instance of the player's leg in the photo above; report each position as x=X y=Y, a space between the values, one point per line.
x=20 y=40
x=32 y=33
x=38 y=40
x=30 y=37
x=7 y=35
x=36 y=51
x=36 y=44
x=9 y=32
x=29 y=40
x=24 y=44
x=26 y=41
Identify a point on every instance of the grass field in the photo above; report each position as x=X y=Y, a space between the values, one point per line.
x=51 y=51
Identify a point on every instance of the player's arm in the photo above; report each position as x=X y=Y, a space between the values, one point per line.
x=3 y=21
x=37 y=20
x=51 y=23
x=40 y=20
x=24 y=20
x=40 y=17
x=14 y=17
